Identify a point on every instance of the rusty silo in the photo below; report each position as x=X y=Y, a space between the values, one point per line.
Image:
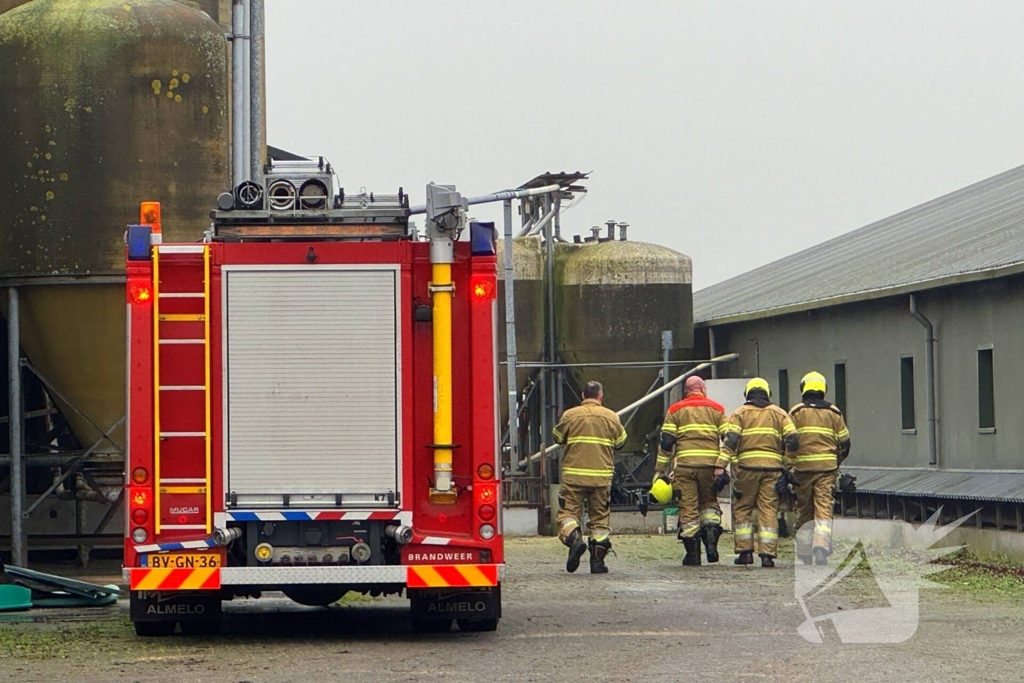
x=613 y=299
x=106 y=103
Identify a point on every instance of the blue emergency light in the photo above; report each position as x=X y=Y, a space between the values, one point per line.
x=139 y=243
x=482 y=238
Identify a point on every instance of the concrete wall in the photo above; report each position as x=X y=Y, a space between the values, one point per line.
x=870 y=338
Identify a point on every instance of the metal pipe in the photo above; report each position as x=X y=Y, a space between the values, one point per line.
x=654 y=394
x=617 y=364
x=712 y=351
x=19 y=551
x=510 y=337
x=256 y=39
x=539 y=226
x=246 y=66
x=496 y=197
x=666 y=350
x=929 y=379
x=239 y=164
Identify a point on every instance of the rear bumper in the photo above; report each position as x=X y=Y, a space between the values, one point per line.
x=412 y=576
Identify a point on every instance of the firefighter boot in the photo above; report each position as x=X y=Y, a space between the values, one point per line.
x=711 y=534
x=766 y=560
x=692 y=556
x=599 y=551
x=577 y=546
x=820 y=556
x=745 y=557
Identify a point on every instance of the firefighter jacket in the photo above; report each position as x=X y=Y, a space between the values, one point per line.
x=756 y=436
x=589 y=432
x=824 y=438
x=692 y=433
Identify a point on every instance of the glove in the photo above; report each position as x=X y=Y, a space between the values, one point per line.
x=792 y=478
x=847 y=482
x=782 y=485
x=721 y=481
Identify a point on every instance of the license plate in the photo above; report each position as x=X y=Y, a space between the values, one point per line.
x=184 y=561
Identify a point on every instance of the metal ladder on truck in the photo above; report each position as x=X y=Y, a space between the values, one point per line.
x=181 y=400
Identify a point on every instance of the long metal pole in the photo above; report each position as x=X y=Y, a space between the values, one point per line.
x=497 y=197
x=666 y=372
x=256 y=31
x=246 y=62
x=510 y=339
x=654 y=394
x=19 y=553
x=239 y=164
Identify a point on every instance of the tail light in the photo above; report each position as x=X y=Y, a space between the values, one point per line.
x=140 y=293
x=486 y=512
x=140 y=516
x=482 y=287
x=140 y=475
x=485 y=471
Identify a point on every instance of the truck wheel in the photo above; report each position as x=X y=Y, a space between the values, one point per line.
x=210 y=627
x=477 y=625
x=315 y=596
x=431 y=625
x=154 y=629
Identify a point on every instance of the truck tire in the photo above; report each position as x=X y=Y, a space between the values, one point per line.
x=477 y=625
x=315 y=596
x=154 y=629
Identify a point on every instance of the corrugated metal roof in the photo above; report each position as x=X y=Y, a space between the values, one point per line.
x=1005 y=487
x=974 y=233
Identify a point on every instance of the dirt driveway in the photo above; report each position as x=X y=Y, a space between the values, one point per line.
x=649 y=620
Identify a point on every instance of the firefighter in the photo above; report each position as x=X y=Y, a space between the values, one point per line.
x=824 y=444
x=590 y=433
x=691 y=435
x=757 y=436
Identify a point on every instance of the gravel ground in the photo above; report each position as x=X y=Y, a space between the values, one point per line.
x=648 y=620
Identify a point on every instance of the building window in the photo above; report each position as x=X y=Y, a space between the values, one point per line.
x=986 y=391
x=907 y=393
x=839 y=387
x=784 y=388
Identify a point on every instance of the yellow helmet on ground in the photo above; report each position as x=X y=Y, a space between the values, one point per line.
x=661 y=490
x=757 y=383
x=813 y=381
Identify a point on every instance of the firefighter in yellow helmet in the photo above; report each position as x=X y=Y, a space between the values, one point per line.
x=824 y=444
x=590 y=433
x=690 y=436
x=757 y=436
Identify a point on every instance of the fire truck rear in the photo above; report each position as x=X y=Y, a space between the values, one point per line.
x=312 y=407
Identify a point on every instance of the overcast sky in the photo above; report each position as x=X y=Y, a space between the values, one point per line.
x=735 y=133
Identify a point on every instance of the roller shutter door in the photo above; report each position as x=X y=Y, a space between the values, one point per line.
x=312 y=376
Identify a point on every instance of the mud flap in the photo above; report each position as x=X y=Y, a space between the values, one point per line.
x=455 y=603
x=175 y=606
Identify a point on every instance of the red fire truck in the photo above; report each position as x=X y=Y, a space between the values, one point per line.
x=312 y=407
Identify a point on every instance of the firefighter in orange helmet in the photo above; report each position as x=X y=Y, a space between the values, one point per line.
x=690 y=436
x=824 y=444
x=757 y=436
x=590 y=433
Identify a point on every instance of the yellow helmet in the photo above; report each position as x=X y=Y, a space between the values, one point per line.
x=661 y=490
x=813 y=381
x=757 y=383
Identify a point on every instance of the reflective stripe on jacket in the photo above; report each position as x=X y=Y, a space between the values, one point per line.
x=824 y=437
x=590 y=433
x=757 y=438
x=691 y=434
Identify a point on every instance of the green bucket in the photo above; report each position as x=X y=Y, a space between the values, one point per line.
x=670 y=520
x=14 y=598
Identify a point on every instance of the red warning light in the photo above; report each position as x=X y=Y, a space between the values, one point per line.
x=140 y=293
x=140 y=498
x=482 y=287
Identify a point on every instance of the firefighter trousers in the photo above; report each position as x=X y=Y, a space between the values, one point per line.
x=816 y=502
x=755 y=490
x=698 y=502
x=573 y=499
